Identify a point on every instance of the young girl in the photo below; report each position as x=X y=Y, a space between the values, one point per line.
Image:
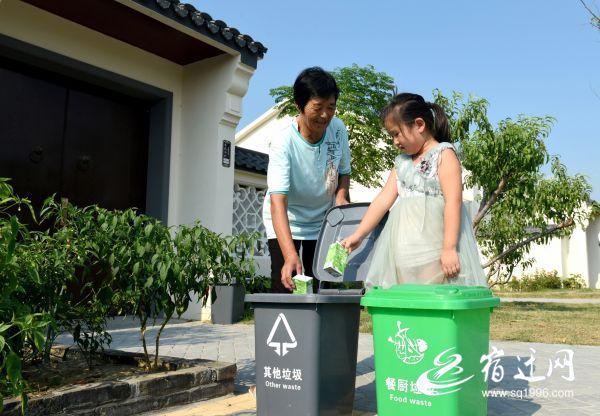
x=428 y=236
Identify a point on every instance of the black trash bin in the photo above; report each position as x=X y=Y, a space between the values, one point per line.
x=306 y=345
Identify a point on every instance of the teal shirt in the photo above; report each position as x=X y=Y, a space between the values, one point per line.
x=298 y=169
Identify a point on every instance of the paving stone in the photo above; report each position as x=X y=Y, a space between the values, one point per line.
x=236 y=343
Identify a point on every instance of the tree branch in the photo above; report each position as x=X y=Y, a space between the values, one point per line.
x=551 y=229
x=491 y=201
x=589 y=10
x=483 y=201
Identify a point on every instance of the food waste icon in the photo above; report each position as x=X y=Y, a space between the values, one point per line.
x=409 y=350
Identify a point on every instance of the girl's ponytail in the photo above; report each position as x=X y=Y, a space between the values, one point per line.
x=441 y=126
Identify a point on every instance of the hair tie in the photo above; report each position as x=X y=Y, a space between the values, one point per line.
x=432 y=112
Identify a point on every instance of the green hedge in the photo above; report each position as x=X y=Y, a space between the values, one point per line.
x=541 y=279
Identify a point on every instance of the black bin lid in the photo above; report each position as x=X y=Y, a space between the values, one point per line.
x=339 y=223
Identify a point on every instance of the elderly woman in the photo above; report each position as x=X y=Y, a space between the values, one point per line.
x=309 y=168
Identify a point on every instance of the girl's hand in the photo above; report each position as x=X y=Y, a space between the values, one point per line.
x=450 y=263
x=352 y=242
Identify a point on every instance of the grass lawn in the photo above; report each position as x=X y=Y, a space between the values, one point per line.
x=552 y=293
x=551 y=323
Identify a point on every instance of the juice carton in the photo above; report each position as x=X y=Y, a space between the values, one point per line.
x=303 y=284
x=336 y=260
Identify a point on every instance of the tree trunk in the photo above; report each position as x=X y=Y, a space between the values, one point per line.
x=488 y=204
x=167 y=319
x=143 y=336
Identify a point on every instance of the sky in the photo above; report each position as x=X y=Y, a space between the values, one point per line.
x=529 y=57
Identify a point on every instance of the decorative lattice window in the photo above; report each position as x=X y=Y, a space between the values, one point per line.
x=247 y=213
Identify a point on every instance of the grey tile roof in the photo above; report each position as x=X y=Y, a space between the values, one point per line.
x=251 y=161
x=204 y=23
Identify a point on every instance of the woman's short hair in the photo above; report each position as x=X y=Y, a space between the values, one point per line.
x=314 y=82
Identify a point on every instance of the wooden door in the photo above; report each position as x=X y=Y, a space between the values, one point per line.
x=58 y=136
x=105 y=152
x=32 y=113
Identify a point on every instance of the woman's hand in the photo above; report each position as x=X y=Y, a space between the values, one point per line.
x=341 y=200
x=352 y=242
x=450 y=263
x=291 y=267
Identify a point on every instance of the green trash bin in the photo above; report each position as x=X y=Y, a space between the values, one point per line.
x=429 y=341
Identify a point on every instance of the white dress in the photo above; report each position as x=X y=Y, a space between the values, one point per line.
x=410 y=245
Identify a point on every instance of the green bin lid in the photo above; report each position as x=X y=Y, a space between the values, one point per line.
x=446 y=297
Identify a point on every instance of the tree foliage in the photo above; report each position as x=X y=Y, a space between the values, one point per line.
x=520 y=204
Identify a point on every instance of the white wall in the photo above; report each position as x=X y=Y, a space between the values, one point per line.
x=38 y=27
x=577 y=254
x=360 y=193
x=577 y=259
x=547 y=257
x=593 y=249
x=258 y=134
x=211 y=110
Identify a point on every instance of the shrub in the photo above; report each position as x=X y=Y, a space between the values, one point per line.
x=21 y=329
x=575 y=281
x=513 y=285
x=90 y=262
x=539 y=280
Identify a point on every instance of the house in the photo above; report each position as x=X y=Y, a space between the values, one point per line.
x=123 y=103
x=578 y=254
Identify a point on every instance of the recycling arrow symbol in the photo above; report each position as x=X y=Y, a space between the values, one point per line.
x=282 y=348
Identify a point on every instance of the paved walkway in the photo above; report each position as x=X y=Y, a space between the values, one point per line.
x=553 y=300
x=235 y=343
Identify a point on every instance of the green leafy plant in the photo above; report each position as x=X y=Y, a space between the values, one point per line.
x=238 y=265
x=196 y=253
x=542 y=280
x=21 y=330
x=574 y=281
x=158 y=269
x=78 y=289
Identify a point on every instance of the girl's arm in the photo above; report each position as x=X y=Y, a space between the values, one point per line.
x=380 y=205
x=449 y=173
